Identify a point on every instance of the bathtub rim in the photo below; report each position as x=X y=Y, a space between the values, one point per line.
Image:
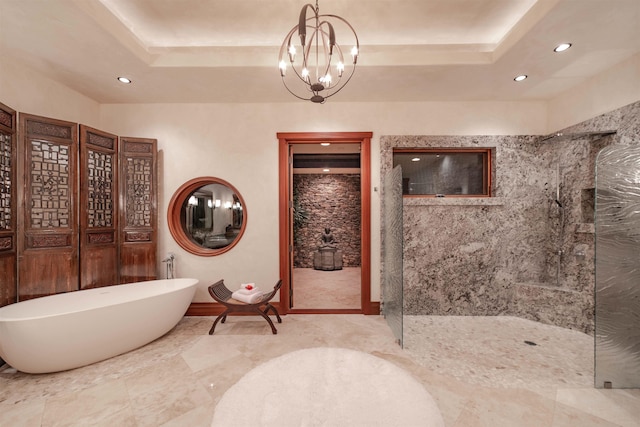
x=188 y=282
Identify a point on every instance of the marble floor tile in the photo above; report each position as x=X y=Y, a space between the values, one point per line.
x=22 y=414
x=337 y=289
x=207 y=353
x=479 y=371
x=106 y=404
x=501 y=407
x=201 y=416
x=619 y=406
x=165 y=391
x=566 y=416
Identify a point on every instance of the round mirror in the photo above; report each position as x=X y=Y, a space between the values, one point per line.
x=207 y=216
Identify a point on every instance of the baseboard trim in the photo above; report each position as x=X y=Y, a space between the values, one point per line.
x=214 y=309
x=204 y=309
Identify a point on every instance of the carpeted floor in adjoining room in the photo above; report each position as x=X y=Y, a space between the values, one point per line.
x=477 y=370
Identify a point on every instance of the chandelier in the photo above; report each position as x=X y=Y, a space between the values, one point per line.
x=319 y=70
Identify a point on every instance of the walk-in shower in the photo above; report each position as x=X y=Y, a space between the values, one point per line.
x=561 y=207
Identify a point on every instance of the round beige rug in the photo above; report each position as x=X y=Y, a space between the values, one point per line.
x=327 y=387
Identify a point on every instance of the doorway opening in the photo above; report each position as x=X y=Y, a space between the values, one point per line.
x=325 y=227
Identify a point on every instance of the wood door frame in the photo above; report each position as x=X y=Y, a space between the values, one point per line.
x=286 y=140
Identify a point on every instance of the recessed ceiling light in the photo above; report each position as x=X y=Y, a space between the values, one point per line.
x=562 y=47
x=124 y=80
x=325 y=144
x=326 y=170
x=520 y=77
x=415 y=159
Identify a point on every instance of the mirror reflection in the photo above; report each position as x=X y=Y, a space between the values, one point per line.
x=212 y=216
x=207 y=216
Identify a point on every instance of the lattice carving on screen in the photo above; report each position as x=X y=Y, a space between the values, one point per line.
x=100 y=200
x=138 y=192
x=50 y=185
x=5 y=181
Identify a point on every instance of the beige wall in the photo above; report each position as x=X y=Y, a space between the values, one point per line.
x=237 y=142
x=27 y=91
x=609 y=90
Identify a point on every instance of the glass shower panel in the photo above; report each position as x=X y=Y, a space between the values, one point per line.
x=617 y=293
x=392 y=291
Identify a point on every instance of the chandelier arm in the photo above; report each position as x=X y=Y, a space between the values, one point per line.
x=302 y=28
x=340 y=54
x=348 y=25
x=332 y=43
x=319 y=34
x=287 y=41
x=306 y=51
x=332 y=34
x=338 y=73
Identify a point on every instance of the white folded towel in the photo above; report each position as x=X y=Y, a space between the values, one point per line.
x=249 y=299
x=244 y=291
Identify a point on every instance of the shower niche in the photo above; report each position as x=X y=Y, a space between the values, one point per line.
x=587 y=205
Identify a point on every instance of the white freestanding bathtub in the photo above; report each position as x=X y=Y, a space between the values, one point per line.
x=66 y=331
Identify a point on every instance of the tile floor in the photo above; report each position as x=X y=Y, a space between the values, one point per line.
x=338 y=289
x=478 y=370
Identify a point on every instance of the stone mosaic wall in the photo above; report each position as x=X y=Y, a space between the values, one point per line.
x=500 y=256
x=328 y=201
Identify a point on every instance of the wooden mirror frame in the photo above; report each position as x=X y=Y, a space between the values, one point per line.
x=174 y=217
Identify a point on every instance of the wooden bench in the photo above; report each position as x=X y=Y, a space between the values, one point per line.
x=223 y=295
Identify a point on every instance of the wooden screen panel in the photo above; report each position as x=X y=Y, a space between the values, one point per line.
x=48 y=242
x=138 y=211
x=98 y=208
x=8 y=202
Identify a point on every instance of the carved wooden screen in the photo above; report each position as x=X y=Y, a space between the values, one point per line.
x=48 y=244
x=8 y=223
x=138 y=220
x=98 y=208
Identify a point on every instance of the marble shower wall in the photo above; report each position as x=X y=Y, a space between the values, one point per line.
x=500 y=256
